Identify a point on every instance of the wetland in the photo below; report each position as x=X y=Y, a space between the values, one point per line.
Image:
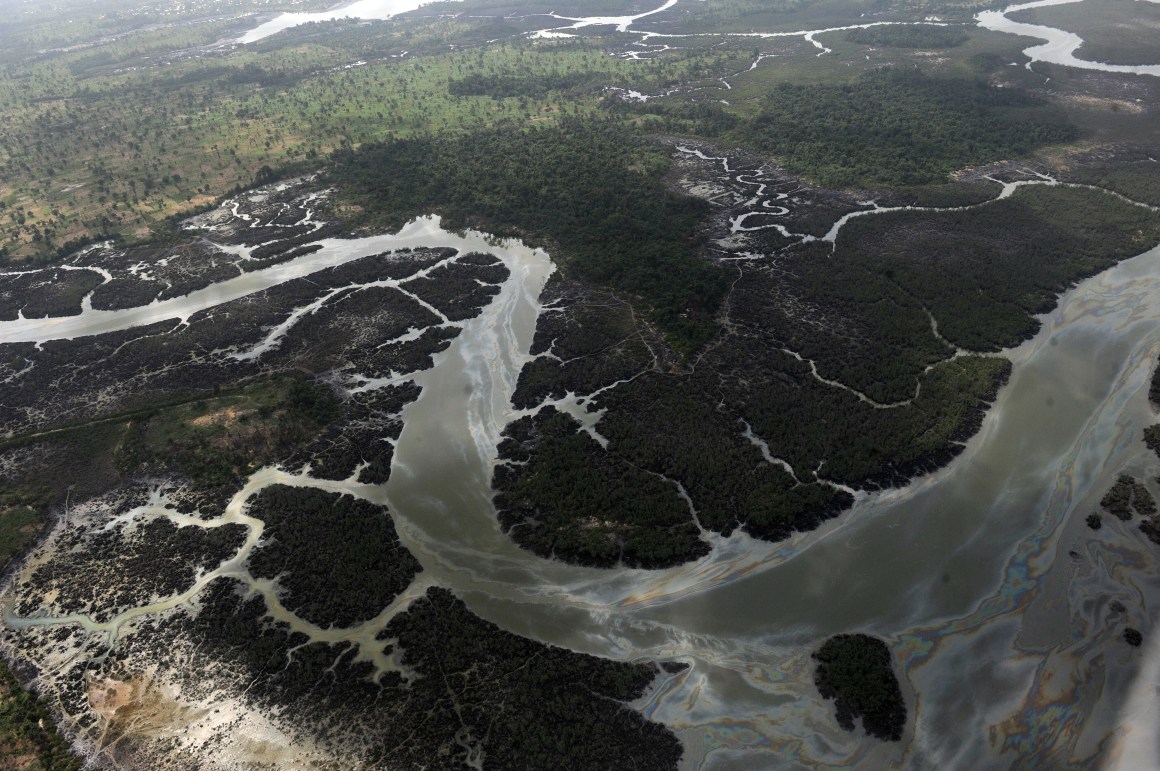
x=586 y=430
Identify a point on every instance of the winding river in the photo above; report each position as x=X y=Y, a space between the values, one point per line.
x=982 y=577
x=998 y=602
x=1059 y=47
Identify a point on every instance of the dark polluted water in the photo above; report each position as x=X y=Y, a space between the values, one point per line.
x=1002 y=609
x=991 y=591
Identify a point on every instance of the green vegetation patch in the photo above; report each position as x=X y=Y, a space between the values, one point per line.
x=22 y=513
x=949 y=195
x=28 y=737
x=882 y=343
x=337 y=558
x=856 y=671
x=770 y=15
x=859 y=445
x=1113 y=31
x=112 y=140
x=595 y=339
x=1129 y=172
x=591 y=190
x=18 y=526
x=909 y=36
x=508 y=85
x=219 y=440
x=673 y=426
x=900 y=127
x=77 y=461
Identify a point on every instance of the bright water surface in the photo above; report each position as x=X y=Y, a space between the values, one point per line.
x=363 y=9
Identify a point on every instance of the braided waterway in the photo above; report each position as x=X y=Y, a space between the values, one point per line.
x=995 y=598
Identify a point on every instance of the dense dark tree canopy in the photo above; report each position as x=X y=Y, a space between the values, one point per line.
x=856 y=671
x=900 y=127
x=909 y=36
x=310 y=549
x=592 y=189
x=473 y=688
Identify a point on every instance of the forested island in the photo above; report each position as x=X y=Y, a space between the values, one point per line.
x=855 y=671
